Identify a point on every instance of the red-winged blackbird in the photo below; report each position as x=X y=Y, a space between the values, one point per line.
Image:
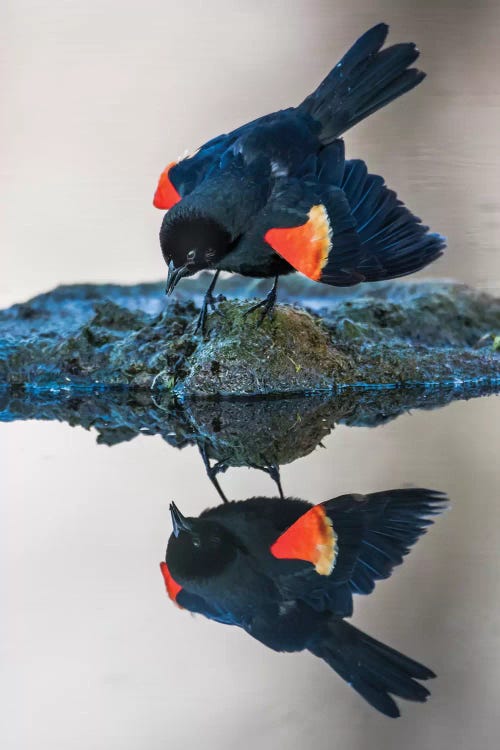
x=285 y=572
x=277 y=195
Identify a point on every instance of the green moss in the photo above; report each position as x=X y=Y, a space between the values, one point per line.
x=289 y=352
x=114 y=317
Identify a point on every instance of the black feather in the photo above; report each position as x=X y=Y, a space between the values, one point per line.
x=373 y=669
x=394 y=522
x=331 y=163
x=394 y=242
x=364 y=80
x=375 y=532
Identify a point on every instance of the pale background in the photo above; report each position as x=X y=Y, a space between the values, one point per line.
x=96 y=98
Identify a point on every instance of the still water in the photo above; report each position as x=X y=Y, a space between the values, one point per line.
x=95 y=655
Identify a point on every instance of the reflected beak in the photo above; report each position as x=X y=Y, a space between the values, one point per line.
x=179 y=523
x=174 y=276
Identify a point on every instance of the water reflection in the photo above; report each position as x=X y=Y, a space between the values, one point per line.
x=259 y=434
x=97 y=636
x=286 y=571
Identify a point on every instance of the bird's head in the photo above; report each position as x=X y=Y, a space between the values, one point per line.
x=190 y=242
x=198 y=548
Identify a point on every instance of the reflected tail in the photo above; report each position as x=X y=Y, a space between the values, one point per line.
x=376 y=671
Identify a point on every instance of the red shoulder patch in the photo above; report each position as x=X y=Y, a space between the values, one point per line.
x=172 y=586
x=307 y=246
x=312 y=539
x=166 y=195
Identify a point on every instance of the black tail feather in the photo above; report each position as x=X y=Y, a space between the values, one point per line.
x=365 y=80
x=374 y=670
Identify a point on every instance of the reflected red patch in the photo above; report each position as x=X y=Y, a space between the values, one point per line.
x=172 y=586
x=311 y=538
x=166 y=195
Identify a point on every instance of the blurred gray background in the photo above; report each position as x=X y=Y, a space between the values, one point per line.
x=96 y=98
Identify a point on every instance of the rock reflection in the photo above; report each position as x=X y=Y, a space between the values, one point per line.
x=286 y=571
x=259 y=433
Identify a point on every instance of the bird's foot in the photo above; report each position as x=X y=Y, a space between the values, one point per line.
x=208 y=301
x=212 y=471
x=267 y=304
x=273 y=470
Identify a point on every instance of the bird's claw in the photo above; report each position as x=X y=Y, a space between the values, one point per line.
x=212 y=302
x=267 y=304
x=273 y=470
x=212 y=471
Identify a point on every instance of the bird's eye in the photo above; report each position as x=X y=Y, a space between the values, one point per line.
x=196 y=541
x=191 y=255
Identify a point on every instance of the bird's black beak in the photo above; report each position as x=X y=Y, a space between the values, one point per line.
x=174 y=276
x=178 y=521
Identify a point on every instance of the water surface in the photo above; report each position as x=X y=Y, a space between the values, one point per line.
x=96 y=656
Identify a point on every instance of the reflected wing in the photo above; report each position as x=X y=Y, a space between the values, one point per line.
x=373 y=534
x=392 y=522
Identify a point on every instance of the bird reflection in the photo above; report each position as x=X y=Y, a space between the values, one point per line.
x=262 y=435
x=285 y=571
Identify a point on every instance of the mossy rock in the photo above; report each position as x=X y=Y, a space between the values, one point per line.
x=289 y=352
x=388 y=334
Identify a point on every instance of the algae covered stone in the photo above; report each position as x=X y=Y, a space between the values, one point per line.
x=88 y=337
x=290 y=352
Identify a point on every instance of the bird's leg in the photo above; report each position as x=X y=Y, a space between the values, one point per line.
x=274 y=472
x=212 y=472
x=209 y=299
x=267 y=303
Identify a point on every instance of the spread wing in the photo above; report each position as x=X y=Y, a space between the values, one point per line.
x=311 y=226
x=340 y=225
x=371 y=536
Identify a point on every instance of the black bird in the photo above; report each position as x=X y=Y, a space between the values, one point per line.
x=277 y=194
x=285 y=571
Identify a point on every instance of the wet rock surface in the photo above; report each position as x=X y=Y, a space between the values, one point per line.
x=94 y=337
